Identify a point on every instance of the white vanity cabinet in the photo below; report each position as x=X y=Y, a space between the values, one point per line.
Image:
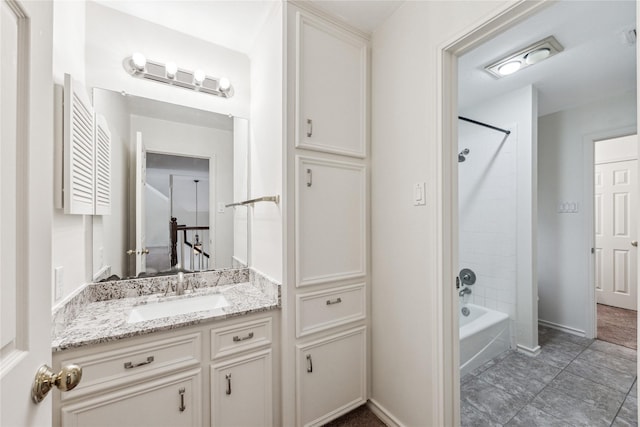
x=241 y=374
x=169 y=401
x=217 y=374
x=331 y=87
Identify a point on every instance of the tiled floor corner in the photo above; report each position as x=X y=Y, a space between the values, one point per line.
x=574 y=381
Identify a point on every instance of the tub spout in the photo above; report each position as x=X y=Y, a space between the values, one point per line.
x=464 y=291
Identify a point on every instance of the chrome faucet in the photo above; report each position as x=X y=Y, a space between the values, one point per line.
x=464 y=291
x=180 y=284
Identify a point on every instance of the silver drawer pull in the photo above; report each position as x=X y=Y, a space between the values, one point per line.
x=335 y=301
x=309 y=128
x=129 y=365
x=238 y=339
x=181 y=392
x=228 y=378
x=309 y=178
x=309 y=363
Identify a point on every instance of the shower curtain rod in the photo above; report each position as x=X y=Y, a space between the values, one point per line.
x=475 y=122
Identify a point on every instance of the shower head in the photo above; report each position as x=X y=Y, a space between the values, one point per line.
x=462 y=154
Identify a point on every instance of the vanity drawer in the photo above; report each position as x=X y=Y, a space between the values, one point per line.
x=240 y=337
x=317 y=311
x=134 y=363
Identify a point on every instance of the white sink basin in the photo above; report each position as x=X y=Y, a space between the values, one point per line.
x=157 y=310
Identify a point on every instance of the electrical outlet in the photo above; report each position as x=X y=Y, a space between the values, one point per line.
x=59 y=283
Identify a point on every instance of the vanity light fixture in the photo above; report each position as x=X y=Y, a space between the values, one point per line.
x=524 y=58
x=139 y=66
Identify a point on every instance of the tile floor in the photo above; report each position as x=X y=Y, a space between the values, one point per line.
x=574 y=381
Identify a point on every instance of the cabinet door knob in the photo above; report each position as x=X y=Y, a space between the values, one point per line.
x=634 y=243
x=65 y=380
x=309 y=363
x=309 y=178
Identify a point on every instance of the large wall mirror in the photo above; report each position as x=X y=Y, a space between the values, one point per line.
x=174 y=171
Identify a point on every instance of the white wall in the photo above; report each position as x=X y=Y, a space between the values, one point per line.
x=240 y=189
x=71 y=234
x=266 y=135
x=563 y=246
x=112 y=36
x=405 y=238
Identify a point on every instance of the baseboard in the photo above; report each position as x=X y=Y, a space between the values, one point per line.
x=562 y=328
x=384 y=415
x=529 y=351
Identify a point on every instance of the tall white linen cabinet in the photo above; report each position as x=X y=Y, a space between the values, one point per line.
x=326 y=300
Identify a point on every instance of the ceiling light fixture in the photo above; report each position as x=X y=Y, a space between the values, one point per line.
x=138 y=66
x=524 y=58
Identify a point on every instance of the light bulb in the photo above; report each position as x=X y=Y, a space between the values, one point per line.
x=509 y=68
x=224 y=84
x=171 y=69
x=139 y=61
x=198 y=77
x=537 y=55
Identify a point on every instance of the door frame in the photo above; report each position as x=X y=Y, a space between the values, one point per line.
x=588 y=148
x=446 y=352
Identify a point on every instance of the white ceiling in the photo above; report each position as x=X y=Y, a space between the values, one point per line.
x=594 y=63
x=235 y=23
x=232 y=24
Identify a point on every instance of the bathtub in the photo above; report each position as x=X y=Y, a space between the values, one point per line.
x=484 y=334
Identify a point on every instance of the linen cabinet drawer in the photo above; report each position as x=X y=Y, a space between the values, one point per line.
x=134 y=363
x=240 y=337
x=317 y=311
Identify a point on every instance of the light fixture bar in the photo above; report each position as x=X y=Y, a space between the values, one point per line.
x=524 y=58
x=140 y=67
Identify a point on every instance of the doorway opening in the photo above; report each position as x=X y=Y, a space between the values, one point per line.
x=177 y=213
x=553 y=286
x=615 y=189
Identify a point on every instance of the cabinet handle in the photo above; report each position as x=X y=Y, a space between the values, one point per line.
x=309 y=178
x=335 y=301
x=238 y=339
x=181 y=407
x=228 y=378
x=309 y=364
x=309 y=128
x=129 y=365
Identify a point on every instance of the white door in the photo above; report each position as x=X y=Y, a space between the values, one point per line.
x=616 y=213
x=141 y=183
x=26 y=202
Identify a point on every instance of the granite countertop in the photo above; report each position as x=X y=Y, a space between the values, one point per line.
x=105 y=320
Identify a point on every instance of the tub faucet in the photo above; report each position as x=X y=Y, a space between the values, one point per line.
x=464 y=291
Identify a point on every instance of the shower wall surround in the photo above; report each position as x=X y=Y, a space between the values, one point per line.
x=488 y=182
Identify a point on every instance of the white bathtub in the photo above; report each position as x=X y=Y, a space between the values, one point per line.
x=484 y=334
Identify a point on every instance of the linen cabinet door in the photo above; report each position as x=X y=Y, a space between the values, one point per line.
x=172 y=401
x=330 y=221
x=241 y=392
x=331 y=377
x=331 y=77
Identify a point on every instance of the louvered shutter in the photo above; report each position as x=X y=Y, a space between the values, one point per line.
x=79 y=187
x=102 y=166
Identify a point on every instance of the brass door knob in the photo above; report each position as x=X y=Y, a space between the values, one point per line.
x=634 y=243
x=65 y=380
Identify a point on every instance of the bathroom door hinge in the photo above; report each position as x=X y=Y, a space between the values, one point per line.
x=593 y=250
